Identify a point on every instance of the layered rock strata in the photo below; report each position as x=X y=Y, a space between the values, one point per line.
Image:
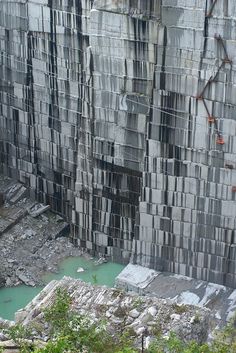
x=121 y=311
x=121 y=116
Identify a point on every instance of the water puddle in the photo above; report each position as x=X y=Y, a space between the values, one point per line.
x=14 y=298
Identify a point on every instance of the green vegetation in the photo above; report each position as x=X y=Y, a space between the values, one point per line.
x=73 y=333
x=95 y=279
x=174 y=345
x=137 y=303
x=179 y=308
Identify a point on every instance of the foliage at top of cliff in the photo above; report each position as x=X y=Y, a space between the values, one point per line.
x=70 y=332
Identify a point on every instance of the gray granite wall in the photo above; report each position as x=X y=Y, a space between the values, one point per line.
x=187 y=208
x=104 y=116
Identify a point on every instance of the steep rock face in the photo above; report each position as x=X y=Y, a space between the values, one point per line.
x=187 y=209
x=123 y=48
x=101 y=116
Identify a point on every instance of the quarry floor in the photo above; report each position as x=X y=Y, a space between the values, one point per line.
x=31 y=239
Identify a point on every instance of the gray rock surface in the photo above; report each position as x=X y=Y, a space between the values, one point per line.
x=180 y=289
x=30 y=246
x=100 y=117
x=122 y=310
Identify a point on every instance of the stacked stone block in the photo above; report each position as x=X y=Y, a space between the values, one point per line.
x=187 y=209
x=124 y=55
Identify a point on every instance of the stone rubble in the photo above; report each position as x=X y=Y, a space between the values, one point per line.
x=31 y=244
x=139 y=314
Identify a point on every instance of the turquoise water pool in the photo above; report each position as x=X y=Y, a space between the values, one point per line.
x=14 y=298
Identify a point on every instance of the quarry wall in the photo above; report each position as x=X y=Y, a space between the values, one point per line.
x=120 y=114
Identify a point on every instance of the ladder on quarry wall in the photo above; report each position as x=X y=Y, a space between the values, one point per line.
x=212 y=119
x=209 y=14
x=226 y=60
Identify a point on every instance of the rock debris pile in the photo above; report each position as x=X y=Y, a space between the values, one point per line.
x=31 y=239
x=142 y=315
